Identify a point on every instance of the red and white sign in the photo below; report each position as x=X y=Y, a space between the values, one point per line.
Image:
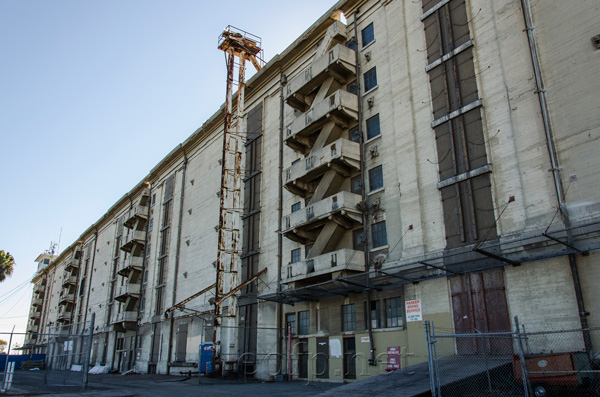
x=413 y=310
x=393 y=358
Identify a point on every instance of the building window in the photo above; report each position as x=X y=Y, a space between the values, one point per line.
x=375 y=313
x=151 y=224
x=355 y=134
x=373 y=127
x=290 y=321
x=376 y=178
x=295 y=255
x=303 y=323
x=348 y=317
x=153 y=200
x=351 y=43
x=307 y=250
x=370 y=78
x=368 y=35
x=296 y=206
x=358 y=239
x=356 y=185
x=379 y=235
x=393 y=312
x=352 y=87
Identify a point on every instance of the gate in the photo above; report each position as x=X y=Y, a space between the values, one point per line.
x=513 y=363
x=68 y=353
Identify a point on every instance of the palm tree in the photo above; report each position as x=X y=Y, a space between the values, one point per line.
x=6 y=265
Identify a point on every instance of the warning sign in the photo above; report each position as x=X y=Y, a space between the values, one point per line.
x=393 y=356
x=413 y=310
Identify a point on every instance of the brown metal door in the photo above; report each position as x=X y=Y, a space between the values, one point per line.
x=479 y=305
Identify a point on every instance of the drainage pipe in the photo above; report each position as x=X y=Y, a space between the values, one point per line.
x=178 y=251
x=363 y=174
x=283 y=83
x=552 y=151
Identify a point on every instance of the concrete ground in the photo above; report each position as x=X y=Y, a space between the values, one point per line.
x=31 y=383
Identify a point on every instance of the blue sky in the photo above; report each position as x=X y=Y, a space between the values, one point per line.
x=93 y=94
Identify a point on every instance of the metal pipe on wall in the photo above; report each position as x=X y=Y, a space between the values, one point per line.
x=283 y=83
x=365 y=214
x=553 y=153
x=177 y=252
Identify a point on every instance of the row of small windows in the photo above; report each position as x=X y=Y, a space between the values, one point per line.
x=378 y=235
x=390 y=317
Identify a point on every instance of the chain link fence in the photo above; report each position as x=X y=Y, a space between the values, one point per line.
x=542 y=363
x=68 y=348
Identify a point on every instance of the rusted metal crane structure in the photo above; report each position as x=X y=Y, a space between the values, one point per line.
x=244 y=46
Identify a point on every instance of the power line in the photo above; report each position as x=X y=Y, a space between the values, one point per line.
x=16 y=288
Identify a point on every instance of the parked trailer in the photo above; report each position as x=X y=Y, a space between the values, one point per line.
x=555 y=370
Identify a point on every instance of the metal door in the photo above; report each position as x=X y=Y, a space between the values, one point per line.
x=479 y=305
x=323 y=357
x=303 y=358
x=350 y=358
x=182 y=335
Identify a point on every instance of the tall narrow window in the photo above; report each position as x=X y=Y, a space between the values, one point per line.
x=348 y=317
x=379 y=234
x=368 y=35
x=393 y=312
x=356 y=185
x=354 y=134
x=376 y=178
x=373 y=129
x=295 y=255
x=358 y=237
x=370 y=78
x=352 y=87
x=290 y=321
x=303 y=323
x=351 y=43
x=374 y=313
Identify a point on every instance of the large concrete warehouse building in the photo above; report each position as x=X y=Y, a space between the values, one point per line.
x=435 y=155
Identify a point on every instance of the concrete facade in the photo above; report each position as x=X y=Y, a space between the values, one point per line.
x=403 y=210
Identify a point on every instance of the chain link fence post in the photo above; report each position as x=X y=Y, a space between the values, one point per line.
x=88 y=348
x=524 y=375
x=432 y=377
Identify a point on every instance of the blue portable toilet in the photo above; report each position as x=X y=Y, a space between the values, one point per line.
x=205 y=354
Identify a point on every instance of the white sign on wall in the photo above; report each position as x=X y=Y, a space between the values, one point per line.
x=413 y=310
x=68 y=346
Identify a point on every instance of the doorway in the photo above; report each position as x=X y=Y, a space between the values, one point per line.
x=350 y=358
x=479 y=305
x=323 y=357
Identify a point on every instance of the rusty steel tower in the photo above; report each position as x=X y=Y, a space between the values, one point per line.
x=246 y=47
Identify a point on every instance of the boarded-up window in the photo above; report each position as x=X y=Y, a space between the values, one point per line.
x=251 y=235
x=462 y=158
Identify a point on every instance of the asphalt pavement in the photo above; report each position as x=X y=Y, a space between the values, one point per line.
x=31 y=383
